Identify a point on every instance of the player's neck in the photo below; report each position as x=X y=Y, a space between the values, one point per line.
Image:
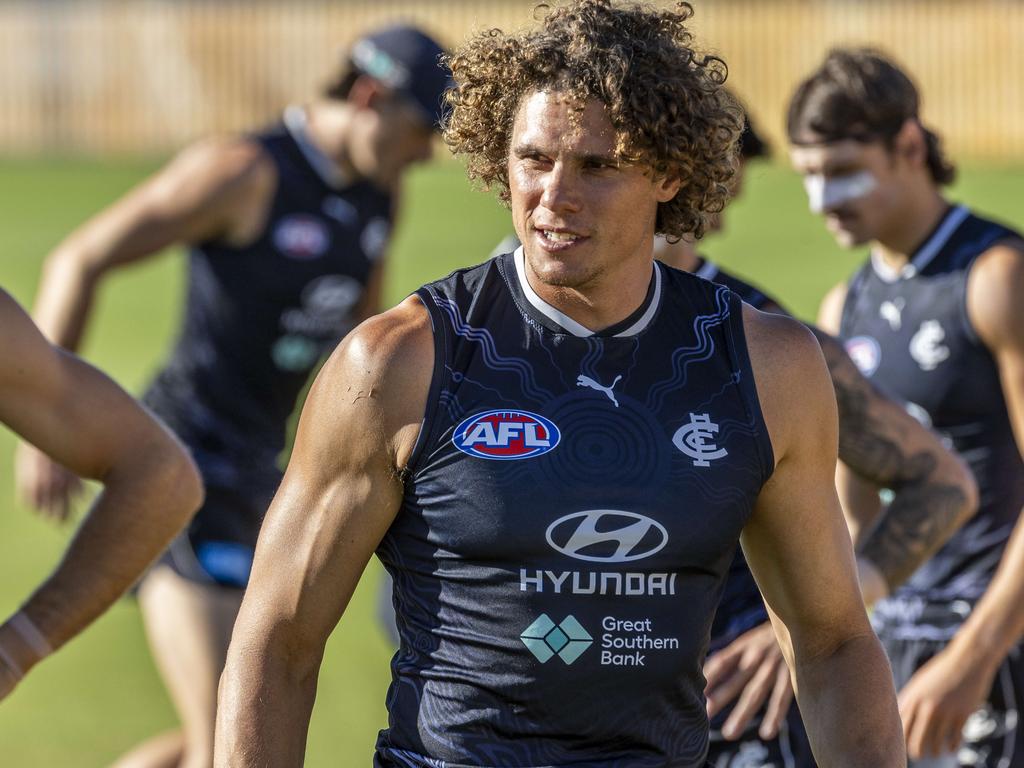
x=327 y=127
x=602 y=302
x=680 y=255
x=911 y=228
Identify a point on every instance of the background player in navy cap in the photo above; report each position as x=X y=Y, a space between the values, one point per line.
x=554 y=453
x=933 y=317
x=288 y=230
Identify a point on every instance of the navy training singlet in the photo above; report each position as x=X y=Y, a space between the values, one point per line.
x=910 y=333
x=258 y=318
x=742 y=607
x=571 y=511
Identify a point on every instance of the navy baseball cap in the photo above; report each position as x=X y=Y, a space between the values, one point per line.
x=407 y=60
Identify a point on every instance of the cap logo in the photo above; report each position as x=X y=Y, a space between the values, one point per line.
x=377 y=63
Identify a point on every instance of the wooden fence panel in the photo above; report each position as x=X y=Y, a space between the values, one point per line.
x=129 y=76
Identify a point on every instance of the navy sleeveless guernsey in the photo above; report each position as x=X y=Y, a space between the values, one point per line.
x=258 y=318
x=909 y=332
x=742 y=607
x=571 y=511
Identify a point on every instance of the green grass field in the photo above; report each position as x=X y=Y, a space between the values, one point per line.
x=101 y=694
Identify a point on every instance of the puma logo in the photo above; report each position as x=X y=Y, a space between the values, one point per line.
x=586 y=381
x=892 y=312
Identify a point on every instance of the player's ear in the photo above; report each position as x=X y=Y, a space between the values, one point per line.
x=910 y=144
x=366 y=92
x=666 y=187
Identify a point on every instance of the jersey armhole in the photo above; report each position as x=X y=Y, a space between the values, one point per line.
x=965 y=315
x=436 y=379
x=853 y=287
x=740 y=357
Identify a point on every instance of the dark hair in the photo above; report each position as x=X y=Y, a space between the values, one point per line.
x=339 y=86
x=752 y=146
x=859 y=94
x=665 y=101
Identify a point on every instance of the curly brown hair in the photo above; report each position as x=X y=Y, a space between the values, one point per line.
x=665 y=100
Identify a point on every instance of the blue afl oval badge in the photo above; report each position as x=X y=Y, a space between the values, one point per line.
x=506 y=435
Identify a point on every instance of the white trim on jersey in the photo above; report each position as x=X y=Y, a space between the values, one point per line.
x=708 y=270
x=926 y=253
x=295 y=120
x=565 y=322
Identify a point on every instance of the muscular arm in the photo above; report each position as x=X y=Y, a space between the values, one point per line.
x=330 y=513
x=799 y=550
x=880 y=445
x=993 y=303
x=84 y=420
x=208 y=191
x=933 y=490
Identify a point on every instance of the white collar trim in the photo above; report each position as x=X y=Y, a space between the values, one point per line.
x=567 y=323
x=926 y=253
x=296 y=120
x=707 y=270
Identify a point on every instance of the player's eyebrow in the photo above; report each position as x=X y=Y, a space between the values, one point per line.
x=599 y=158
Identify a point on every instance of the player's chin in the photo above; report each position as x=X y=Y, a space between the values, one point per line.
x=847 y=235
x=562 y=272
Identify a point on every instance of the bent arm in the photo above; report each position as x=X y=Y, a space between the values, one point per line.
x=934 y=492
x=996 y=283
x=799 y=551
x=329 y=515
x=208 y=191
x=84 y=420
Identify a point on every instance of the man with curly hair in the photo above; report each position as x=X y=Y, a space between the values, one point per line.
x=555 y=453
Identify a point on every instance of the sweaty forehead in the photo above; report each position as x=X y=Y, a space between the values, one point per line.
x=552 y=122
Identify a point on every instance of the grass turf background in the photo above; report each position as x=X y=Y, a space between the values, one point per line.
x=101 y=694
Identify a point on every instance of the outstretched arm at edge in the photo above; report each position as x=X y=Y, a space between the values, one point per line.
x=84 y=420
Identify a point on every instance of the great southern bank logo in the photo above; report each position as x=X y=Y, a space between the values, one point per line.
x=607 y=536
x=506 y=435
x=545 y=639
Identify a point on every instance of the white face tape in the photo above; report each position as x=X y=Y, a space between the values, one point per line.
x=824 y=193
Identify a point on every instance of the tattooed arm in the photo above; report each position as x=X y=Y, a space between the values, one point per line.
x=933 y=490
x=880 y=445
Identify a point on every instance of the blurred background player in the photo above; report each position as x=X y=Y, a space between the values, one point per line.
x=150 y=486
x=288 y=230
x=934 y=319
x=933 y=494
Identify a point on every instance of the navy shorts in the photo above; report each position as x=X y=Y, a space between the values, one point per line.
x=993 y=736
x=790 y=749
x=218 y=545
x=240 y=475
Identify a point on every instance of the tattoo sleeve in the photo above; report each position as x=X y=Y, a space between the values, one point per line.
x=880 y=442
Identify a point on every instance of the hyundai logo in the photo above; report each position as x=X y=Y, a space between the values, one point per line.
x=607 y=536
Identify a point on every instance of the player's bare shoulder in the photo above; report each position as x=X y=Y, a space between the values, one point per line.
x=385 y=365
x=24 y=353
x=994 y=287
x=793 y=383
x=830 y=311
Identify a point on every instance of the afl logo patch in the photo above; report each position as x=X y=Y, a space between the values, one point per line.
x=506 y=435
x=865 y=353
x=302 y=237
